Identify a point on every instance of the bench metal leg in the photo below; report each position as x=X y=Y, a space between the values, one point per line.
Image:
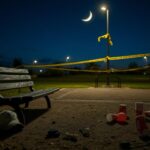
x=48 y=101
x=26 y=105
x=20 y=114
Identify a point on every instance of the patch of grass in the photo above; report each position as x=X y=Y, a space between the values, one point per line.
x=88 y=80
x=85 y=81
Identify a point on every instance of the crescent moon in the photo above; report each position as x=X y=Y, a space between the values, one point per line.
x=88 y=18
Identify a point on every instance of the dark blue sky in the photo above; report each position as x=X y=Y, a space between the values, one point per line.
x=52 y=29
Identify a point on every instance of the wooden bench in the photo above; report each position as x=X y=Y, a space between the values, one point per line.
x=11 y=78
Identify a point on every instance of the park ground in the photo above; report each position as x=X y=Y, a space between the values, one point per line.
x=74 y=109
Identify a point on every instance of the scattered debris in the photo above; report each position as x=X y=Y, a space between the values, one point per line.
x=85 y=132
x=141 y=125
x=125 y=145
x=9 y=121
x=53 y=133
x=139 y=108
x=84 y=148
x=53 y=122
x=7 y=148
x=147 y=113
x=70 y=137
x=120 y=117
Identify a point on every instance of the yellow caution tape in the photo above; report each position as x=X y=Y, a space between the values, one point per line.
x=68 y=63
x=106 y=36
x=78 y=70
x=102 y=71
x=89 y=61
x=129 y=56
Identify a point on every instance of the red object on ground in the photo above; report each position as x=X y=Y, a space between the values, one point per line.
x=141 y=125
x=147 y=113
x=139 y=108
x=121 y=117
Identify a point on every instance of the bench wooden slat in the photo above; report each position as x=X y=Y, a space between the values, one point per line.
x=12 y=78
x=8 y=78
x=21 y=99
x=13 y=70
x=6 y=86
x=41 y=92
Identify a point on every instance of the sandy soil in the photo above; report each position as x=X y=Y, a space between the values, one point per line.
x=75 y=109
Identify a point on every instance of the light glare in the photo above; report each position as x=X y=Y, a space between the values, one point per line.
x=103 y=8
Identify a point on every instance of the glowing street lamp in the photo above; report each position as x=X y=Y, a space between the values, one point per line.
x=67 y=58
x=145 y=58
x=35 y=61
x=104 y=8
x=41 y=70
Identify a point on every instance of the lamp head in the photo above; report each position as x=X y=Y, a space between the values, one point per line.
x=103 y=8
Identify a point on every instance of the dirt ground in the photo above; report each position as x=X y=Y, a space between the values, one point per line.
x=76 y=109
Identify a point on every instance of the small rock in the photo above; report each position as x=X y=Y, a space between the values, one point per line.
x=70 y=137
x=84 y=148
x=53 y=122
x=7 y=148
x=112 y=137
x=53 y=133
x=125 y=145
x=85 y=132
x=145 y=138
x=1 y=146
x=24 y=148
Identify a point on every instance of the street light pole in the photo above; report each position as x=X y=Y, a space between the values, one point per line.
x=108 y=43
x=108 y=46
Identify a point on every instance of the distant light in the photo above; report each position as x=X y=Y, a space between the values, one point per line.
x=41 y=70
x=103 y=8
x=35 y=62
x=67 y=58
x=145 y=57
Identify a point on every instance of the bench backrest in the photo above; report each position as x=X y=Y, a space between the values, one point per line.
x=12 y=78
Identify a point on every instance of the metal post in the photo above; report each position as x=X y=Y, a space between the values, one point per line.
x=108 y=47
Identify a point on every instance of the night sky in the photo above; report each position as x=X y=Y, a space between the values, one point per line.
x=50 y=30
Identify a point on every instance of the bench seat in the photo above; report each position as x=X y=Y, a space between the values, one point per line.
x=12 y=78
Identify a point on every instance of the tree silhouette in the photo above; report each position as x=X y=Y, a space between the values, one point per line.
x=17 y=62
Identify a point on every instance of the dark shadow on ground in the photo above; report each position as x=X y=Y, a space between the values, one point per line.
x=30 y=115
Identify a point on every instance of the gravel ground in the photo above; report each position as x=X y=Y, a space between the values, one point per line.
x=76 y=109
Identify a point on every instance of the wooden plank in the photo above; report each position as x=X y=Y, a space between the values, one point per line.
x=9 y=78
x=13 y=70
x=6 y=86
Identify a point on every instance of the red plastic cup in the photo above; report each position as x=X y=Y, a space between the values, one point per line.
x=147 y=113
x=141 y=125
x=139 y=108
x=121 y=117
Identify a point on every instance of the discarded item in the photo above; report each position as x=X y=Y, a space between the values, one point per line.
x=85 y=132
x=123 y=108
x=70 y=137
x=147 y=113
x=125 y=145
x=141 y=125
x=139 y=108
x=53 y=133
x=53 y=122
x=9 y=120
x=121 y=118
x=110 y=118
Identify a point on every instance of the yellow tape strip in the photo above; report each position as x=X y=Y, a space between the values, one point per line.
x=129 y=56
x=88 y=61
x=68 y=63
x=102 y=71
